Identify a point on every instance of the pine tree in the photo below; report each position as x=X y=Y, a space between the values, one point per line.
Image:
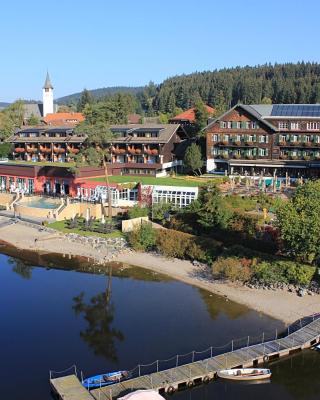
x=86 y=98
x=192 y=158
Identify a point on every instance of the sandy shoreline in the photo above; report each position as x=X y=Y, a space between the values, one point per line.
x=279 y=304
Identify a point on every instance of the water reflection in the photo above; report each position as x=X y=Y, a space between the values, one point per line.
x=217 y=304
x=21 y=268
x=99 y=315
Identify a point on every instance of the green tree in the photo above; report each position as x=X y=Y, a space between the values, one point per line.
x=266 y=100
x=210 y=209
x=201 y=116
x=192 y=158
x=299 y=222
x=163 y=118
x=5 y=150
x=138 y=211
x=96 y=151
x=11 y=118
x=33 y=120
x=85 y=98
x=143 y=238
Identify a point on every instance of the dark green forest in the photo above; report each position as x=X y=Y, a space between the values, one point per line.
x=279 y=83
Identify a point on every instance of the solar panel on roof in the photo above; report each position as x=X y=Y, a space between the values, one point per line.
x=296 y=110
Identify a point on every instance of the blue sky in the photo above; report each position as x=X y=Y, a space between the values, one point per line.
x=101 y=43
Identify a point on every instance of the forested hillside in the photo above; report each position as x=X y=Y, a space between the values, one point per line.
x=280 y=83
x=99 y=93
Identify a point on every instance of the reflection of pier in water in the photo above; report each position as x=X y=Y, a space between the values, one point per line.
x=305 y=335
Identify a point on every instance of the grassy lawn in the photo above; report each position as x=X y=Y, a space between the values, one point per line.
x=43 y=163
x=61 y=226
x=240 y=203
x=150 y=180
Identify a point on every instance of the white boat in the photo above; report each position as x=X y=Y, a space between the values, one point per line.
x=245 y=374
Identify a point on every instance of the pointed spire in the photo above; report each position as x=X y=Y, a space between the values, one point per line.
x=47 y=84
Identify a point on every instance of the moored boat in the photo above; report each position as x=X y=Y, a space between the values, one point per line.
x=104 y=379
x=245 y=374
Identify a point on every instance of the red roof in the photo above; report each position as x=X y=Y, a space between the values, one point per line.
x=189 y=115
x=134 y=119
x=63 y=118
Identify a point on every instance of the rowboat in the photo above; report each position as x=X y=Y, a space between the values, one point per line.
x=104 y=379
x=245 y=374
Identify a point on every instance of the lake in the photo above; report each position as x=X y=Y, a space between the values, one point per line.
x=52 y=318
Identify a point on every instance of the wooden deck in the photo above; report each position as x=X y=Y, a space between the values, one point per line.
x=198 y=372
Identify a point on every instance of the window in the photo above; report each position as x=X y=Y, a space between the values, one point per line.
x=215 y=138
x=311 y=126
x=263 y=152
x=254 y=125
x=214 y=151
x=294 y=125
x=282 y=138
x=223 y=124
x=248 y=125
x=262 y=139
x=235 y=125
x=229 y=125
x=226 y=138
x=293 y=138
x=283 y=125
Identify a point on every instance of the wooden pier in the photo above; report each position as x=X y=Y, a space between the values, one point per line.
x=195 y=373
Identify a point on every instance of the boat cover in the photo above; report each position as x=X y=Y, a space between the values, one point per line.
x=142 y=395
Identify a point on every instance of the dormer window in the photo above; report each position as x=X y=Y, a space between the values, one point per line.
x=283 y=125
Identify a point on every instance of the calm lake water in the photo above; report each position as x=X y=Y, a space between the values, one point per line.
x=53 y=318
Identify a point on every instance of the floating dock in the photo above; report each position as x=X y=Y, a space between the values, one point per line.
x=195 y=373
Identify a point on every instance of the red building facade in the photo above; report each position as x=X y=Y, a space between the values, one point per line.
x=33 y=179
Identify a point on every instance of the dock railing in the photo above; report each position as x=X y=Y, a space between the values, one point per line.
x=235 y=344
x=58 y=374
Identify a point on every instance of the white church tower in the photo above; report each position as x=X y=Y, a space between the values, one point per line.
x=47 y=96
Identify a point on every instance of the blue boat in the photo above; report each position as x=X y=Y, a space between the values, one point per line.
x=106 y=379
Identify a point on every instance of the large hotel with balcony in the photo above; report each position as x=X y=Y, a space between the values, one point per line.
x=45 y=144
x=147 y=149
x=265 y=139
x=135 y=150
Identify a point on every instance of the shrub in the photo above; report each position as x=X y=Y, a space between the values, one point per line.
x=298 y=273
x=143 y=238
x=160 y=210
x=172 y=243
x=269 y=273
x=182 y=245
x=137 y=211
x=244 y=223
x=232 y=268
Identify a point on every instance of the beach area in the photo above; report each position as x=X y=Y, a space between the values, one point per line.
x=280 y=304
